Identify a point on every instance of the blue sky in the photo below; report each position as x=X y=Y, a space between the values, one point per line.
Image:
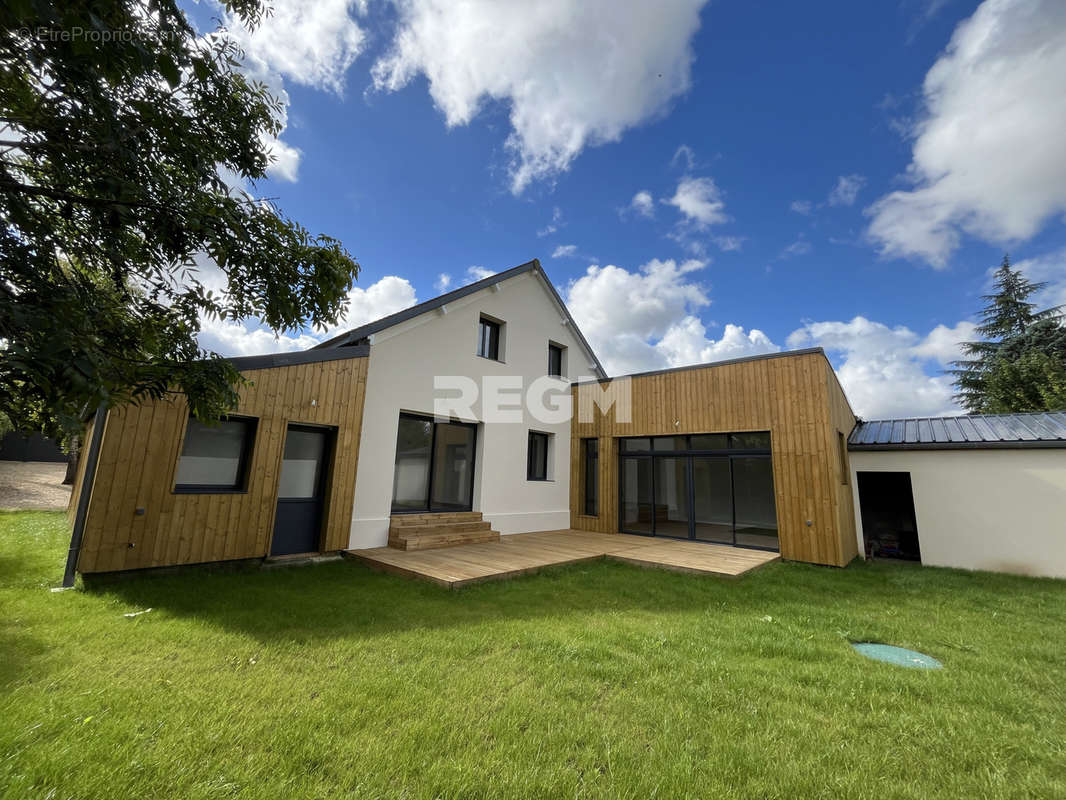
x=700 y=180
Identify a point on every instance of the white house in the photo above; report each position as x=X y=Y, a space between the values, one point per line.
x=511 y=344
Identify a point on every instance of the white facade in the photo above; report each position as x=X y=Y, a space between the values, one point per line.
x=991 y=509
x=406 y=358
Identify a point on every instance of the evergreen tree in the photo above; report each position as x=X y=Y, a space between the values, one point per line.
x=1019 y=364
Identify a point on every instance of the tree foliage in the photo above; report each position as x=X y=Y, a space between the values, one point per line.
x=123 y=136
x=1020 y=363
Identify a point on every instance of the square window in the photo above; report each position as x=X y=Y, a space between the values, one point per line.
x=537 y=456
x=555 y=360
x=214 y=458
x=488 y=339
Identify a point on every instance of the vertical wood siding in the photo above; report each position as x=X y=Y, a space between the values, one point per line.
x=796 y=398
x=139 y=457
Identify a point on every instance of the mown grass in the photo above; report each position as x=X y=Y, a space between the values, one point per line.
x=601 y=680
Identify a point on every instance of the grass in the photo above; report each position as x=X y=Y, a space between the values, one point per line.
x=599 y=680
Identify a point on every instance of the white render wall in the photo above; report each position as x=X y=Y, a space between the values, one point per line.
x=998 y=510
x=403 y=362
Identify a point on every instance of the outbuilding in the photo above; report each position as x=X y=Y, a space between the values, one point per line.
x=977 y=492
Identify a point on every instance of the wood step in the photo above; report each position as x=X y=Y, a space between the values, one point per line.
x=444 y=527
x=417 y=520
x=441 y=538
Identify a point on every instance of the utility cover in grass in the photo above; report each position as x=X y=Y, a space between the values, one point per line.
x=899 y=656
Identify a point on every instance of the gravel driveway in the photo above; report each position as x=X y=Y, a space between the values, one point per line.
x=36 y=485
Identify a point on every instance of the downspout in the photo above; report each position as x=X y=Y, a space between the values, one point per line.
x=93 y=456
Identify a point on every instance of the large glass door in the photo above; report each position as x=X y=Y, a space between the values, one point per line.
x=636 y=495
x=434 y=465
x=708 y=487
x=712 y=496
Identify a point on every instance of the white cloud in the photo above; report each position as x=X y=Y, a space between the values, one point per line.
x=800 y=247
x=728 y=243
x=572 y=73
x=477 y=274
x=286 y=163
x=565 y=251
x=659 y=326
x=1049 y=268
x=884 y=369
x=554 y=225
x=943 y=344
x=686 y=343
x=989 y=155
x=803 y=207
x=643 y=203
x=443 y=283
x=685 y=154
x=311 y=42
x=249 y=337
x=847 y=189
x=699 y=201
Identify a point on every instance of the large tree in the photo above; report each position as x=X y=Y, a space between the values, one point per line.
x=124 y=140
x=1019 y=364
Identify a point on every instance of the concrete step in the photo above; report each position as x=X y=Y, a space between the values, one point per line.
x=441 y=537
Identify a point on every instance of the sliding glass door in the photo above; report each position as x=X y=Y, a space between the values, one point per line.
x=712 y=488
x=434 y=465
x=712 y=496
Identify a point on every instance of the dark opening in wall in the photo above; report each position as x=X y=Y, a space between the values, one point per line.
x=889 y=528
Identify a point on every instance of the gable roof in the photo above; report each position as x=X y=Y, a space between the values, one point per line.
x=964 y=432
x=356 y=335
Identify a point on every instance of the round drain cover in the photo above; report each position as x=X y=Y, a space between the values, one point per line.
x=899 y=656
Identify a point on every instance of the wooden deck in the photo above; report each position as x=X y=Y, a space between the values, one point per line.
x=522 y=553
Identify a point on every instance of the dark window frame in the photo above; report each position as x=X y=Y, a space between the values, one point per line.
x=531 y=471
x=842 y=453
x=651 y=454
x=434 y=422
x=556 y=352
x=243 y=469
x=488 y=346
x=688 y=449
x=590 y=459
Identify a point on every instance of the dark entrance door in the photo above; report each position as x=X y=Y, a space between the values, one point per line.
x=434 y=465
x=301 y=490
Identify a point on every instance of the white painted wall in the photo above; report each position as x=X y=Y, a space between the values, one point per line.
x=999 y=510
x=403 y=362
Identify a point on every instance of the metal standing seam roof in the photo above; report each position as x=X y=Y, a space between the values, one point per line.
x=974 y=431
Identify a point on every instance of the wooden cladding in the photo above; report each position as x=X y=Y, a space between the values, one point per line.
x=139 y=457
x=794 y=396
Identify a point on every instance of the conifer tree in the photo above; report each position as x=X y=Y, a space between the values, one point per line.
x=1019 y=364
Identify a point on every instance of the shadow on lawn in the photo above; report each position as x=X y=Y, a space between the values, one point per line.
x=347 y=600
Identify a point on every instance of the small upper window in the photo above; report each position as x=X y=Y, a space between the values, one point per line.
x=537 y=457
x=555 y=360
x=488 y=339
x=214 y=458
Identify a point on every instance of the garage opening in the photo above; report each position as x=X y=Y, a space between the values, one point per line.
x=889 y=528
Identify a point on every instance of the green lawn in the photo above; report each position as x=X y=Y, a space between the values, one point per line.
x=599 y=680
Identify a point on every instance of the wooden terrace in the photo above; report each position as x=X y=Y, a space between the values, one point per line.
x=522 y=553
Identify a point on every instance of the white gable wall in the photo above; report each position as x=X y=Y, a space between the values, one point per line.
x=403 y=362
